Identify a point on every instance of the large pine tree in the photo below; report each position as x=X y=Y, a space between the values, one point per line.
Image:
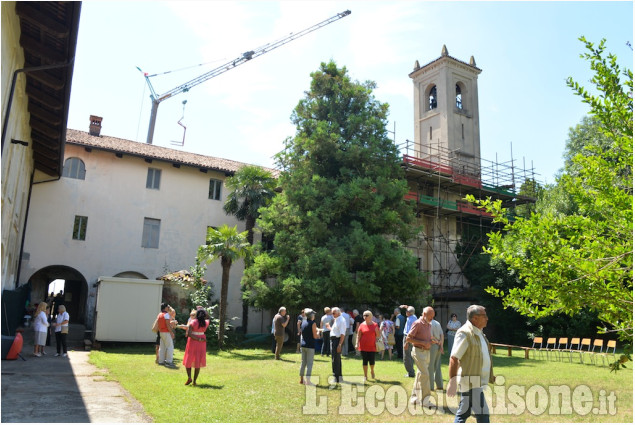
x=341 y=222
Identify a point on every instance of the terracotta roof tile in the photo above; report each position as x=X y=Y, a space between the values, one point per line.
x=144 y=150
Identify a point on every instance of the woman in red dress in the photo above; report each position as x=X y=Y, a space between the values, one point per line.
x=196 y=348
x=367 y=334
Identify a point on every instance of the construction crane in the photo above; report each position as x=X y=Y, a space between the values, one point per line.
x=245 y=57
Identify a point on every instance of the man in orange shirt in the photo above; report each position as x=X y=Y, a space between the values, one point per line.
x=420 y=336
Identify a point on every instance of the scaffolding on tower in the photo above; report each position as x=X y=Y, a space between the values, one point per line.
x=454 y=230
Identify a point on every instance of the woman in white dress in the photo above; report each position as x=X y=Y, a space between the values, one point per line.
x=40 y=326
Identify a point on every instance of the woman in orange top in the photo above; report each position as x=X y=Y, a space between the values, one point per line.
x=367 y=334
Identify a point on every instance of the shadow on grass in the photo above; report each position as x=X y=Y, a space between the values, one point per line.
x=384 y=381
x=445 y=410
x=208 y=386
x=252 y=356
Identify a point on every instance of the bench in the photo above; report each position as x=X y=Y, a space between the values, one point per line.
x=509 y=349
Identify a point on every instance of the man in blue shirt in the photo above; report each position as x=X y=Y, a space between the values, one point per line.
x=407 y=347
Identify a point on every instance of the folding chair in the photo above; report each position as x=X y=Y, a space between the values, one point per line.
x=574 y=347
x=537 y=345
x=550 y=346
x=562 y=347
x=597 y=343
x=586 y=342
x=612 y=344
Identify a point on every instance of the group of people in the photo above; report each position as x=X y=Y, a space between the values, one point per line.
x=390 y=327
x=196 y=347
x=420 y=341
x=44 y=325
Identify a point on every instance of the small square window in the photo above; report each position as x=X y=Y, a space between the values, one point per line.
x=79 y=228
x=151 y=231
x=153 y=181
x=215 y=189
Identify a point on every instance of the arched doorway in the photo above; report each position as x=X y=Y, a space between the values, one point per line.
x=133 y=275
x=75 y=289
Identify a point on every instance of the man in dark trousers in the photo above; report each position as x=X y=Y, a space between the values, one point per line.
x=338 y=333
x=400 y=324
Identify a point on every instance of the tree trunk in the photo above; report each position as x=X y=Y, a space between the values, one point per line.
x=250 y=223
x=222 y=309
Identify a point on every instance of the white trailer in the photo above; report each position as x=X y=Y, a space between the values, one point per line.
x=126 y=309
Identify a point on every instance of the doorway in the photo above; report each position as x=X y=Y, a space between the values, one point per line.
x=62 y=278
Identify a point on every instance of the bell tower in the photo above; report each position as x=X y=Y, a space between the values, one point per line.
x=446 y=113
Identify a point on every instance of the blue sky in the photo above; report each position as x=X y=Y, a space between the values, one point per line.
x=526 y=50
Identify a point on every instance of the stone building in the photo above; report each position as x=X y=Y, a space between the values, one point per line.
x=126 y=209
x=443 y=164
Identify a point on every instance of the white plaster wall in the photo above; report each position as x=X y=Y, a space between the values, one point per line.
x=17 y=160
x=114 y=198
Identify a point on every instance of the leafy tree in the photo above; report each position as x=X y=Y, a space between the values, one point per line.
x=581 y=261
x=341 y=222
x=226 y=244
x=584 y=139
x=251 y=188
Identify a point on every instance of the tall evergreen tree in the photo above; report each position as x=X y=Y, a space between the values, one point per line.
x=341 y=223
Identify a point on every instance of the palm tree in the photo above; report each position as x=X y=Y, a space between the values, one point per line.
x=226 y=244
x=251 y=188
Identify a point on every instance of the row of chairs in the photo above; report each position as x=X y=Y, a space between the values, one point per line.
x=582 y=347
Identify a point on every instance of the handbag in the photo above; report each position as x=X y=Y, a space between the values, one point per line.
x=379 y=345
x=391 y=339
x=155 y=325
x=64 y=329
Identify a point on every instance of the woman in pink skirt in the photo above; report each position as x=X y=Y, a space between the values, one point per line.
x=196 y=348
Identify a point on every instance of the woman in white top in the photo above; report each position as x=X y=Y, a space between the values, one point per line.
x=61 y=330
x=40 y=326
x=452 y=327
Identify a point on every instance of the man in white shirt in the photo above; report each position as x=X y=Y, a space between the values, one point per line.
x=471 y=366
x=347 y=318
x=326 y=334
x=338 y=334
x=436 y=350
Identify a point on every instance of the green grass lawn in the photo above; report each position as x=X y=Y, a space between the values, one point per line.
x=247 y=385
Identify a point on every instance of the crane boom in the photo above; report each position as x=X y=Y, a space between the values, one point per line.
x=245 y=57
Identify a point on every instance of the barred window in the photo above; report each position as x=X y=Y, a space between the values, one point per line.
x=79 y=228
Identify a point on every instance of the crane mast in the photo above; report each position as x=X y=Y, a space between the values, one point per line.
x=245 y=57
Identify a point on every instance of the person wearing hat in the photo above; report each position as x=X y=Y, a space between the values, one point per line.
x=308 y=335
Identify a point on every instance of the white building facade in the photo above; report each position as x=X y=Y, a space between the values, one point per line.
x=126 y=209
